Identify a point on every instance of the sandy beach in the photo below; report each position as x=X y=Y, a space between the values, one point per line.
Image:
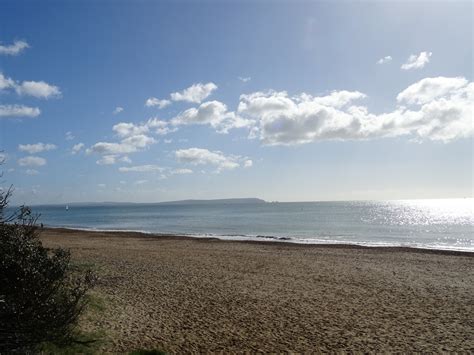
x=184 y=295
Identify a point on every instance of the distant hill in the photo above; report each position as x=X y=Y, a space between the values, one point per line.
x=214 y=202
x=180 y=202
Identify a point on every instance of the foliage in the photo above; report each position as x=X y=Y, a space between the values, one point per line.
x=41 y=295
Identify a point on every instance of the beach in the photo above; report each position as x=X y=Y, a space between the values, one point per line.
x=184 y=295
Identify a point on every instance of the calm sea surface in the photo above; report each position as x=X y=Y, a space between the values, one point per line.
x=438 y=224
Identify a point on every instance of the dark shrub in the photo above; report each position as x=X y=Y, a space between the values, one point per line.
x=41 y=296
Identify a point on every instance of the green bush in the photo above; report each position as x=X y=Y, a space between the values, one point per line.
x=41 y=295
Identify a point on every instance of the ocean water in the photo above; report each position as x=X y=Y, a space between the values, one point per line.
x=436 y=224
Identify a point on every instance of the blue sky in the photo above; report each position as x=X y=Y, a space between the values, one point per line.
x=279 y=100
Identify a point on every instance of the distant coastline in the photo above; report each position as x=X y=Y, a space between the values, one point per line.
x=177 y=202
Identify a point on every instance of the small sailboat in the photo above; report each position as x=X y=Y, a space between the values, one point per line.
x=67 y=208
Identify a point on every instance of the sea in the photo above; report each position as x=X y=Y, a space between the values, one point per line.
x=446 y=224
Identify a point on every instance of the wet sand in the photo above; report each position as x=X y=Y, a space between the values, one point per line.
x=185 y=295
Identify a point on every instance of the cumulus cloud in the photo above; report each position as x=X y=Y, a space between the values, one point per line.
x=6 y=83
x=13 y=49
x=108 y=148
x=117 y=110
x=196 y=93
x=248 y=163
x=441 y=110
x=159 y=127
x=155 y=125
x=128 y=145
x=200 y=156
x=38 y=89
x=384 y=60
x=429 y=89
x=153 y=101
x=138 y=141
x=126 y=129
x=213 y=113
x=36 y=148
x=76 y=148
x=18 y=111
x=417 y=61
x=32 y=161
x=134 y=138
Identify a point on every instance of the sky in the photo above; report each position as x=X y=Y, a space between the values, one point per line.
x=148 y=101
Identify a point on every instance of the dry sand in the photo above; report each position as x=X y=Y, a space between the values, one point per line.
x=185 y=295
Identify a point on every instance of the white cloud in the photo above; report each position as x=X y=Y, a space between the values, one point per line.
x=117 y=110
x=138 y=141
x=199 y=156
x=6 y=83
x=181 y=171
x=106 y=160
x=112 y=159
x=244 y=79
x=384 y=60
x=336 y=99
x=69 y=136
x=429 y=89
x=13 y=49
x=111 y=148
x=32 y=161
x=31 y=172
x=159 y=126
x=101 y=185
x=168 y=141
x=444 y=113
x=248 y=163
x=196 y=93
x=38 y=89
x=213 y=113
x=128 y=145
x=76 y=148
x=140 y=182
x=18 y=111
x=153 y=101
x=126 y=129
x=417 y=61
x=142 y=169
x=36 y=148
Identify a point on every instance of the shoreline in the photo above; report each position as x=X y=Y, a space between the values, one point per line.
x=342 y=245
